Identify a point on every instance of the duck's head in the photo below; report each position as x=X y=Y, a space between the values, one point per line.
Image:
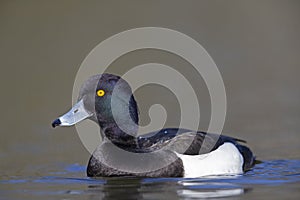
x=108 y=100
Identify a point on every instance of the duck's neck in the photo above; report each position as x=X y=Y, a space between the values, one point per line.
x=122 y=134
x=117 y=136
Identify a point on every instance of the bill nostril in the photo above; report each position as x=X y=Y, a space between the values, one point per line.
x=75 y=111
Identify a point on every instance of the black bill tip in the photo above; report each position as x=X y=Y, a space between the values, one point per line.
x=55 y=123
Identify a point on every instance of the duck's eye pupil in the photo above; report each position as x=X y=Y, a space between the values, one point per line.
x=100 y=93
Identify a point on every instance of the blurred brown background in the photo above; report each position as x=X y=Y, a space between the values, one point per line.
x=255 y=44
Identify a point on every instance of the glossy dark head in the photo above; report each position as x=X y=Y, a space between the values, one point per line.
x=106 y=99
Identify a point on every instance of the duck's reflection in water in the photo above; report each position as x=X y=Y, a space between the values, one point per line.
x=210 y=194
x=117 y=188
x=164 y=188
x=209 y=190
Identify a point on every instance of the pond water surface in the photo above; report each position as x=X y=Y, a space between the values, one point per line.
x=273 y=179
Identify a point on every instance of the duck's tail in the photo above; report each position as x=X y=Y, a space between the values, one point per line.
x=249 y=158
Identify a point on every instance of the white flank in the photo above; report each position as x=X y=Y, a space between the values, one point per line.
x=225 y=160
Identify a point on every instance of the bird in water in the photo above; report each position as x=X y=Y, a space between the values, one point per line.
x=107 y=99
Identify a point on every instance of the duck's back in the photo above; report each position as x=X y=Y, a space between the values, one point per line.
x=188 y=142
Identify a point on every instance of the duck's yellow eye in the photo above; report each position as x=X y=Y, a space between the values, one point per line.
x=100 y=93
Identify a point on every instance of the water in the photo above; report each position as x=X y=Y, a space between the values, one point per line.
x=270 y=180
